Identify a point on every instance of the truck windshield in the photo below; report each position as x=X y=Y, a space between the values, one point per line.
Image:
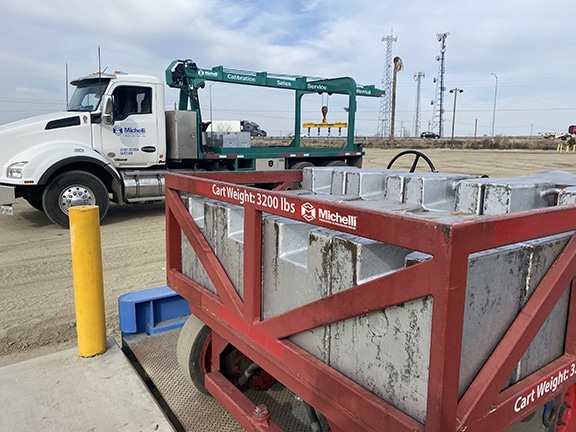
x=87 y=95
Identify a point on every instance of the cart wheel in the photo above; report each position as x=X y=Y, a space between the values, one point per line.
x=193 y=351
x=417 y=156
x=566 y=421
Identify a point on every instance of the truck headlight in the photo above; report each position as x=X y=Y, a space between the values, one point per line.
x=15 y=170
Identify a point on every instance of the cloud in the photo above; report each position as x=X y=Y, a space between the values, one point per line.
x=526 y=44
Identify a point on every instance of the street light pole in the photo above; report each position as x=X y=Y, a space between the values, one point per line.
x=455 y=90
x=494 y=110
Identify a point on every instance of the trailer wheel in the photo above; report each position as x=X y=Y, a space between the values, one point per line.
x=71 y=189
x=566 y=420
x=336 y=163
x=301 y=165
x=193 y=351
x=417 y=156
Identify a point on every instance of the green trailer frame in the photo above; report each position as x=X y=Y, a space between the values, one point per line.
x=186 y=76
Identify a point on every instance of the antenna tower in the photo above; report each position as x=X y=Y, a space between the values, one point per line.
x=386 y=101
x=438 y=111
x=418 y=78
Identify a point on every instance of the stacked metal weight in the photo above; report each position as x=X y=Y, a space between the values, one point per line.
x=387 y=352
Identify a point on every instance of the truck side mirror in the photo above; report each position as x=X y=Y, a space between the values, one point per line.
x=107 y=109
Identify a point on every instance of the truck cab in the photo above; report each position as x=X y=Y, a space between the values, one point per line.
x=253 y=128
x=135 y=134
x=74 y=157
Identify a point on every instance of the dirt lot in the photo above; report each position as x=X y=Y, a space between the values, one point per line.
x=37 y=306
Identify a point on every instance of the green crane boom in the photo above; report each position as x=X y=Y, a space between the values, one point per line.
x=188 y=77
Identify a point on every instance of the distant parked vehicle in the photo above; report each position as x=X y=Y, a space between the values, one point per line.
x=253 y=128
x=429 y=135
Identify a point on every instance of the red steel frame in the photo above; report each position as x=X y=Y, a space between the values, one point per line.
x=346 y=405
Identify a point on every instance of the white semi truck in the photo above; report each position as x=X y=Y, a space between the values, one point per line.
x=115 y=142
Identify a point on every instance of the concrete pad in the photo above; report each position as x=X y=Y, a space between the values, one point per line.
x=64 y=392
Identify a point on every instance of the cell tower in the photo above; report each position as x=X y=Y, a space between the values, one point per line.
x=418 y=78
x=386 y=102
x=438 y=103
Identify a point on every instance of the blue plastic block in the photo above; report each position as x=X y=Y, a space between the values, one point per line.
x=152 y=311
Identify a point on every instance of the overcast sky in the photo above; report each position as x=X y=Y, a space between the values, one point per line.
x=528 y=45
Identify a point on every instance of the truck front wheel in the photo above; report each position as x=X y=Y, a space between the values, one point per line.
x=71 y=189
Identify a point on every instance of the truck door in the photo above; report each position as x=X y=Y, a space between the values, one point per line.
x=132 y=141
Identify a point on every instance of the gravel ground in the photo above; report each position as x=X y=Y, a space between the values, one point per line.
x=36 y=291
x=37 y=306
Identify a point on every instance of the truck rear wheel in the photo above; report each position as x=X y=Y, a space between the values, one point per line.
x=71 y=189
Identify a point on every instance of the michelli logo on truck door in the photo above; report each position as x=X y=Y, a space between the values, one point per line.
x=310 y=213
x=128 y=131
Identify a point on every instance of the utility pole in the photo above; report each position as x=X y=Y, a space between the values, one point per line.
x=494 y=109
x=455 y=90
x=398 y=66
x=418 y=78
x=386 y=101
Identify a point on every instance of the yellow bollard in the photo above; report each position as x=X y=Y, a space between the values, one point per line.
x=88 y=280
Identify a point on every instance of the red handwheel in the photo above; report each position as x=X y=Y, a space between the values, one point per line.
x=566 y=421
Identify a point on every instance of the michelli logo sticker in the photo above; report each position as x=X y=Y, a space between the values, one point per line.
x=310 y=213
